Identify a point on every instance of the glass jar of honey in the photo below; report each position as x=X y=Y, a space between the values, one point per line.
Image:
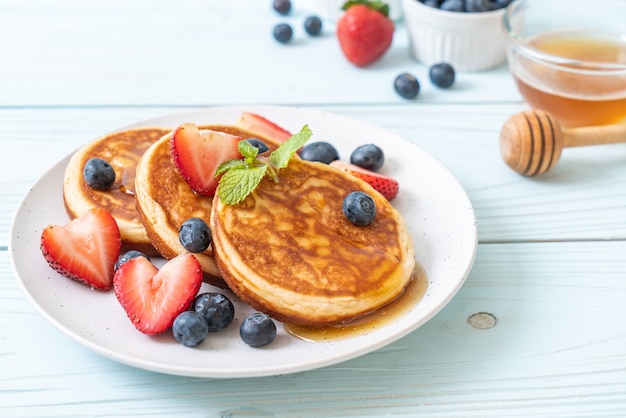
x=568 y=58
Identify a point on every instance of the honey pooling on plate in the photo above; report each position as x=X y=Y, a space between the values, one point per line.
x=413 y=293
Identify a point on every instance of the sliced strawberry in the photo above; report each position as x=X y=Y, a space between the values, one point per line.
x=153 y=298
x=385 y=185
x=198 y=153
x=260 y=125
x=85 y=249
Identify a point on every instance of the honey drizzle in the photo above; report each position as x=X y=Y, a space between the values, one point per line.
x=413 y=293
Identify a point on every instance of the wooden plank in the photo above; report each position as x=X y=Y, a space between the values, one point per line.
x=71 y=52
x=556 y=350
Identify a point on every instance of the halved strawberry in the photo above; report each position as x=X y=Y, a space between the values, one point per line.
x=153 y=298
x=385 y=185
x=198 y=153
x=85 y=249
x=260 y=125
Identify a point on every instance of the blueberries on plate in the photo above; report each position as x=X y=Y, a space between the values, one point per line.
x=195 y=235
x=442 y=75
x=217 y=310
x=319 y=151
x=257 y=329
x=313 y=25
x=259 y=145
x=98 y=174
x=190 y=328
x=359 y=208
x=282 y=7
x=127 y=256
x=406 y=85
x=368 y=156
x=283 y=33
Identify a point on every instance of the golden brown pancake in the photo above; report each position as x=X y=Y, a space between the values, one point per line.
x=289 y=251
x=165 y=201
x=122 y=150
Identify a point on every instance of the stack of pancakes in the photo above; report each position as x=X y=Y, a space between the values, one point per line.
x=165 y=201
x=287 y=249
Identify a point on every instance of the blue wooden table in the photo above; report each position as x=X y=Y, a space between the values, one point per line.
x=551 y=259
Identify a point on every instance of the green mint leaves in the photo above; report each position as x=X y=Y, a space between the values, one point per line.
x=241 y=177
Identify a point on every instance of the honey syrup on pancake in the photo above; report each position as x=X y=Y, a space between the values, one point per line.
x=412 y=294
x=122 y=150
x=311 y=221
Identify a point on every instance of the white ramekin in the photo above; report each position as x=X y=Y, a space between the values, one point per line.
x=467 y=41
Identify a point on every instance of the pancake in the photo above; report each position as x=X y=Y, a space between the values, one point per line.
x=288 y=250
x=165 y=201
x=122 y=150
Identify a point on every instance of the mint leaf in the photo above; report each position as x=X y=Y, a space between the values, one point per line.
x=241 y=177
x=247 y=149
x=229 y=165
x=235 y=185
x=281 y=156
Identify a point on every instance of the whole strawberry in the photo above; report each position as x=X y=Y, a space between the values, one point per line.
x=365 y=31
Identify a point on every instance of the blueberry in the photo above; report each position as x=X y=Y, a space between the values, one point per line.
x=501 y=4
x=283 y=33
x=453 y=5
x=257 y=329
x=476 y=6
x=217 y=310
x=313 y=25
x=282 y=6
x=319 y=151
x=98 y=174
x=127 y=256
x=258 y=144
x=441 y=75
x=195 y=235
x=368 y=156
x=406 y=85
x=190 y=328
x=432 y=3
x=359 y=208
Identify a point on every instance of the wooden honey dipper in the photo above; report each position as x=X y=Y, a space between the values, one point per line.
x=531 y=141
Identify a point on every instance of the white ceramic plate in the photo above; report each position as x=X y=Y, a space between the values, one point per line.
x=435 y=206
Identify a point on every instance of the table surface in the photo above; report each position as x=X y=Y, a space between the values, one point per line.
x=551 y=258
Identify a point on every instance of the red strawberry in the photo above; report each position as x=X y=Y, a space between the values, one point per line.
x=385 y=185
x=85 y=249
x=364 y=31
x=198 y=153
x=153 y=298
x=258 y=124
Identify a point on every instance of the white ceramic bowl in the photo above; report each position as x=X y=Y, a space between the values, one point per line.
x=467 y=41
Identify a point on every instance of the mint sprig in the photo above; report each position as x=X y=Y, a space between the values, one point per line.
x=241 y=177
